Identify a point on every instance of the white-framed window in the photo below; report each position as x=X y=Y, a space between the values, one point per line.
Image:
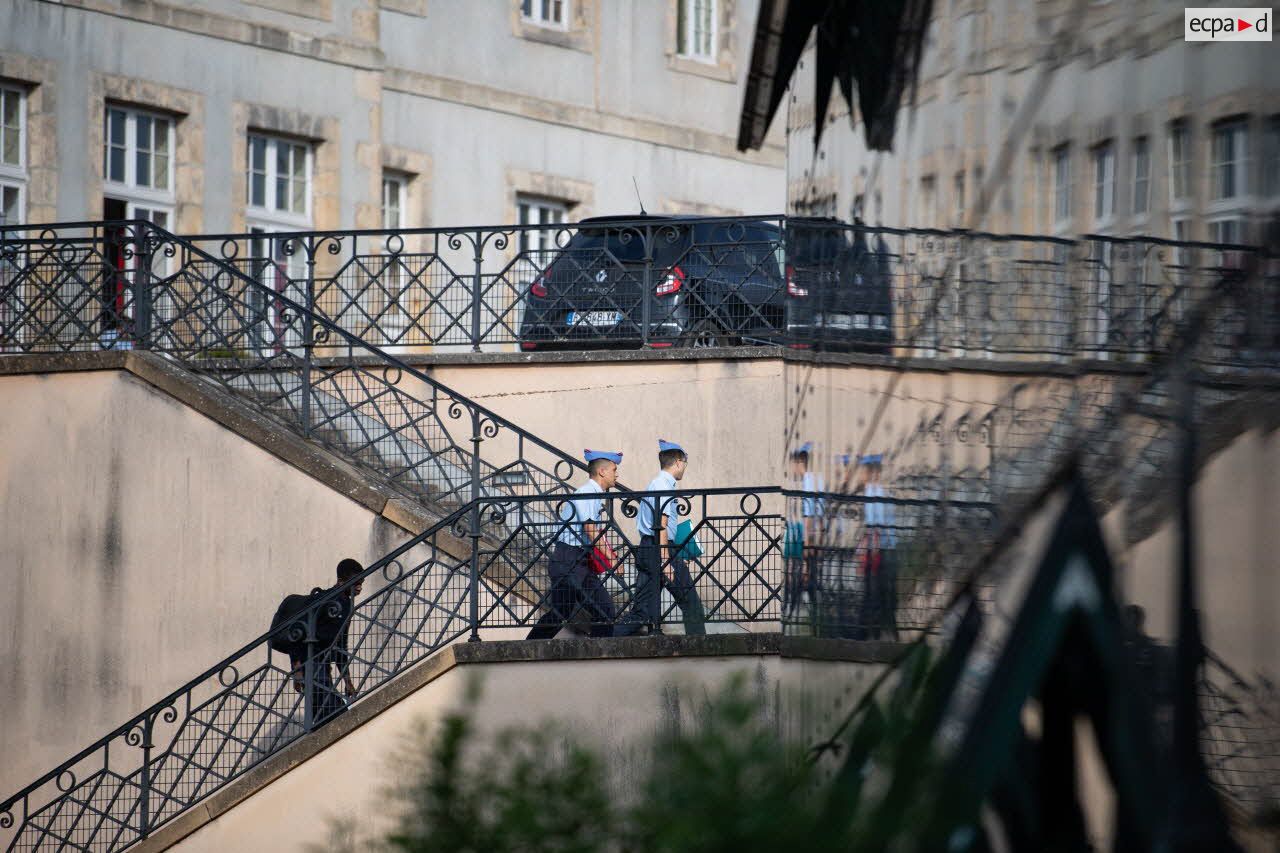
x=1226 y=230
x=1141 y=175
x=1062 y=184
x=926 y=216
x=1270 y=165
x=13 y=154
x=137 y=151
x=386 y=305
x=394 y=192
x=1179 y=160
x=278 y=179
x=12 y=203
x=696 y=29
x=553 y=14
x=273 y=325
x=1180 y=230
x=137 y=165
x=1230 y=159
x=1104 y=182
x=958 y=195
x=533 y=210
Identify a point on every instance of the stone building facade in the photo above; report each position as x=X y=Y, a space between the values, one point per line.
x=1129 y=129
x=230 y=115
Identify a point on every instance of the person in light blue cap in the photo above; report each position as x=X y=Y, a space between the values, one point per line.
x=879 y=619
x=800 y=547
x=658 y=563
x=581 y=530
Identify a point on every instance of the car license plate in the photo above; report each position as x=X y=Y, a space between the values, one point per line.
x=593 y=318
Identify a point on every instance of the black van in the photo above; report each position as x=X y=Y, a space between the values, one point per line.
x=708 y=282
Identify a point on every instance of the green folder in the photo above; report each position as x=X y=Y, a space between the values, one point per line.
x=688 y=543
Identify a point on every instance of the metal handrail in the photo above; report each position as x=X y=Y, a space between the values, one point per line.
x=142 y=236
x=354 y=342
x=139 y=730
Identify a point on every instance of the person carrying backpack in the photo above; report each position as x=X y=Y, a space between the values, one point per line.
x=331 y=642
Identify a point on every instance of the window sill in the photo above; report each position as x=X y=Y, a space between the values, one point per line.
x=724 y=72
x=139 y=193
x=405 y=7
x=320 y=10
x=263 y=218
x=573 y=39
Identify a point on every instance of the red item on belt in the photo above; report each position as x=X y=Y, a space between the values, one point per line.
x=599 y=561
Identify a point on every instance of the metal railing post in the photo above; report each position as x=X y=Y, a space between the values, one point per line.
x=144 y=794
x=142 y=290
x=309 y=674
x=476 y=294
x=646 y=288
x=476 y=439
x=308 y=335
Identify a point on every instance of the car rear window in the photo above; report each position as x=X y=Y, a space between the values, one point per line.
x=749 y=246
x=624 y=245
x=812 y=247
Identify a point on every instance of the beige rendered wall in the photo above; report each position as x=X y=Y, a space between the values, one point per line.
x=615 y=704
x=726 y=413
x=1237 y=507
x=731 y=415
x=142 y=543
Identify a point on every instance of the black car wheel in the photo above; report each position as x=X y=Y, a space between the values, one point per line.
x=707 y=335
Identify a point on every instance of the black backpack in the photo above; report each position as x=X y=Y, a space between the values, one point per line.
x=293 y=612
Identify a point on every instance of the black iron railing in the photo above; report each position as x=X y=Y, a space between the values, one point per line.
x=874 y=567
x=238 y=322
x=421 y=597
x=134 y=286
x=257 y=701
x=1241 y=736
x=685 y=282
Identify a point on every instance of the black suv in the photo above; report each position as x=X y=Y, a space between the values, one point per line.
x=708 y=282
x=840 y=286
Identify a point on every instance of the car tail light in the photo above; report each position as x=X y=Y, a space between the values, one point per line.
x=672 y=283
x=539 y=288
x=794 y=289
x=528 y=345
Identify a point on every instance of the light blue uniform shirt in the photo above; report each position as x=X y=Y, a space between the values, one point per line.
x=653 y=507
x=577 y=511
x=813 y=506
x=880 y=514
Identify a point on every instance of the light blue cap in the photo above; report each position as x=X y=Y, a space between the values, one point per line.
x=872 y=459
x=664 y=445
x=593 y=455
x=807 y=447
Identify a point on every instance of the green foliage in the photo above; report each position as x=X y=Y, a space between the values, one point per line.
x=730 y=783
x=528 y=790
x=733 y=784
x=226 y=352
